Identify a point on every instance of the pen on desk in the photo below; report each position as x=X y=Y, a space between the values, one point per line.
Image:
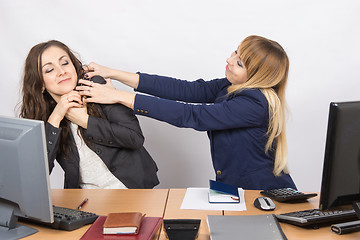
x=82 y=203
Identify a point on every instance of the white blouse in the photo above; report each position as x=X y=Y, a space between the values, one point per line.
x=93 y=171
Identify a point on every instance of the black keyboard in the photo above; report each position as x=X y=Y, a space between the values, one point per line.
x=287 y=194
x=315 y=217
x=70 y=219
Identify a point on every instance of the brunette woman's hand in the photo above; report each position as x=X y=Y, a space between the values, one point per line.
x=78 y=115
x=66 y=101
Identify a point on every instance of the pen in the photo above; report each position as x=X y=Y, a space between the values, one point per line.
x=82 y=203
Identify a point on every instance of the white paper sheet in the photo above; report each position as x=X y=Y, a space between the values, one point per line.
x=197 y=198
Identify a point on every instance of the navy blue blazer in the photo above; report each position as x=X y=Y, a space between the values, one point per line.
x=236 y=125
x=117 y=140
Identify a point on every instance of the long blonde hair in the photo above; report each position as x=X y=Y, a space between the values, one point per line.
x=267 y=66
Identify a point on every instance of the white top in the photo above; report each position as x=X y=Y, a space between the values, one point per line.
x=93 y=171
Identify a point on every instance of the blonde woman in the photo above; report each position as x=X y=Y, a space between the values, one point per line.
x=243 y=114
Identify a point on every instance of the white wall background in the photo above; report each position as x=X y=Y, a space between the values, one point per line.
x=190 y=39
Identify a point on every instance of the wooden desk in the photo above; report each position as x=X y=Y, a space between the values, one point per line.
x=166 y=203
x=103 y=201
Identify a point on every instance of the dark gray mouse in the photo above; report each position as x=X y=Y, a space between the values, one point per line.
x=264 y=203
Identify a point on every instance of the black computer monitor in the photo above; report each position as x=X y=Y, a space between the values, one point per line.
x=24 y=176
x=341 y=172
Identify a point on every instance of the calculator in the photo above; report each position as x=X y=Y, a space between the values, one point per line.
x=287 y=194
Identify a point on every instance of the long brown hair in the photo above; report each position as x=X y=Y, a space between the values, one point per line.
x=267 y=66
x=37 y=103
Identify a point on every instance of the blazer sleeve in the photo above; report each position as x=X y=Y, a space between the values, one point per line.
x=247 y=109
x=198 y=91
x=52 y=143
x=120 y=129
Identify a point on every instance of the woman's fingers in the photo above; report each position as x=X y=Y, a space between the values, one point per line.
x=73 y=96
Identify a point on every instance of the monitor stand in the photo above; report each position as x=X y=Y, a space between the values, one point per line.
x=9 y=228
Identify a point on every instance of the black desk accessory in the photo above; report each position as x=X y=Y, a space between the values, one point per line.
x=182 y=229
x=348 y=227
x=356 y=206
x=315 y=218
x=67 y=219
x=287 y=195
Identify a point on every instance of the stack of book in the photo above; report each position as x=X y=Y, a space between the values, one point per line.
x=125 y=226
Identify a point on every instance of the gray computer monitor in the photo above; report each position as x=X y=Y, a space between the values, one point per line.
x=24 y=176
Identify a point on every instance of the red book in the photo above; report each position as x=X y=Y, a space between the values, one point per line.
x=148 y=228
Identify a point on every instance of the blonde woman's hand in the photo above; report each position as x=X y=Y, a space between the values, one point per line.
x=127 y=78
x=98 y=93
x=95 y=69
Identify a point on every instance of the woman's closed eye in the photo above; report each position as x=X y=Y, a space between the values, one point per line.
x=238 y=62
x=49 y=70
x=64 y=63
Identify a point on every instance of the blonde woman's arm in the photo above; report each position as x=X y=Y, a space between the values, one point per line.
x=127 y=78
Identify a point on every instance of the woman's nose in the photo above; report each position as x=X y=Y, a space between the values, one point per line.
x=230 y=60
x=60 y=71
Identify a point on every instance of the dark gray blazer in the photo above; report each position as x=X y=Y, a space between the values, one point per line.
x=117 y=140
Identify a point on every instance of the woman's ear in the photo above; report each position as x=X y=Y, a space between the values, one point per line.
x=43 y=89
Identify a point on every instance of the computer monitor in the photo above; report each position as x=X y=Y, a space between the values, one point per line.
x=341 y=172
x=24 y=176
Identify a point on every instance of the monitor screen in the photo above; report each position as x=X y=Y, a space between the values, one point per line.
x=341 y=172
x=24 y=176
